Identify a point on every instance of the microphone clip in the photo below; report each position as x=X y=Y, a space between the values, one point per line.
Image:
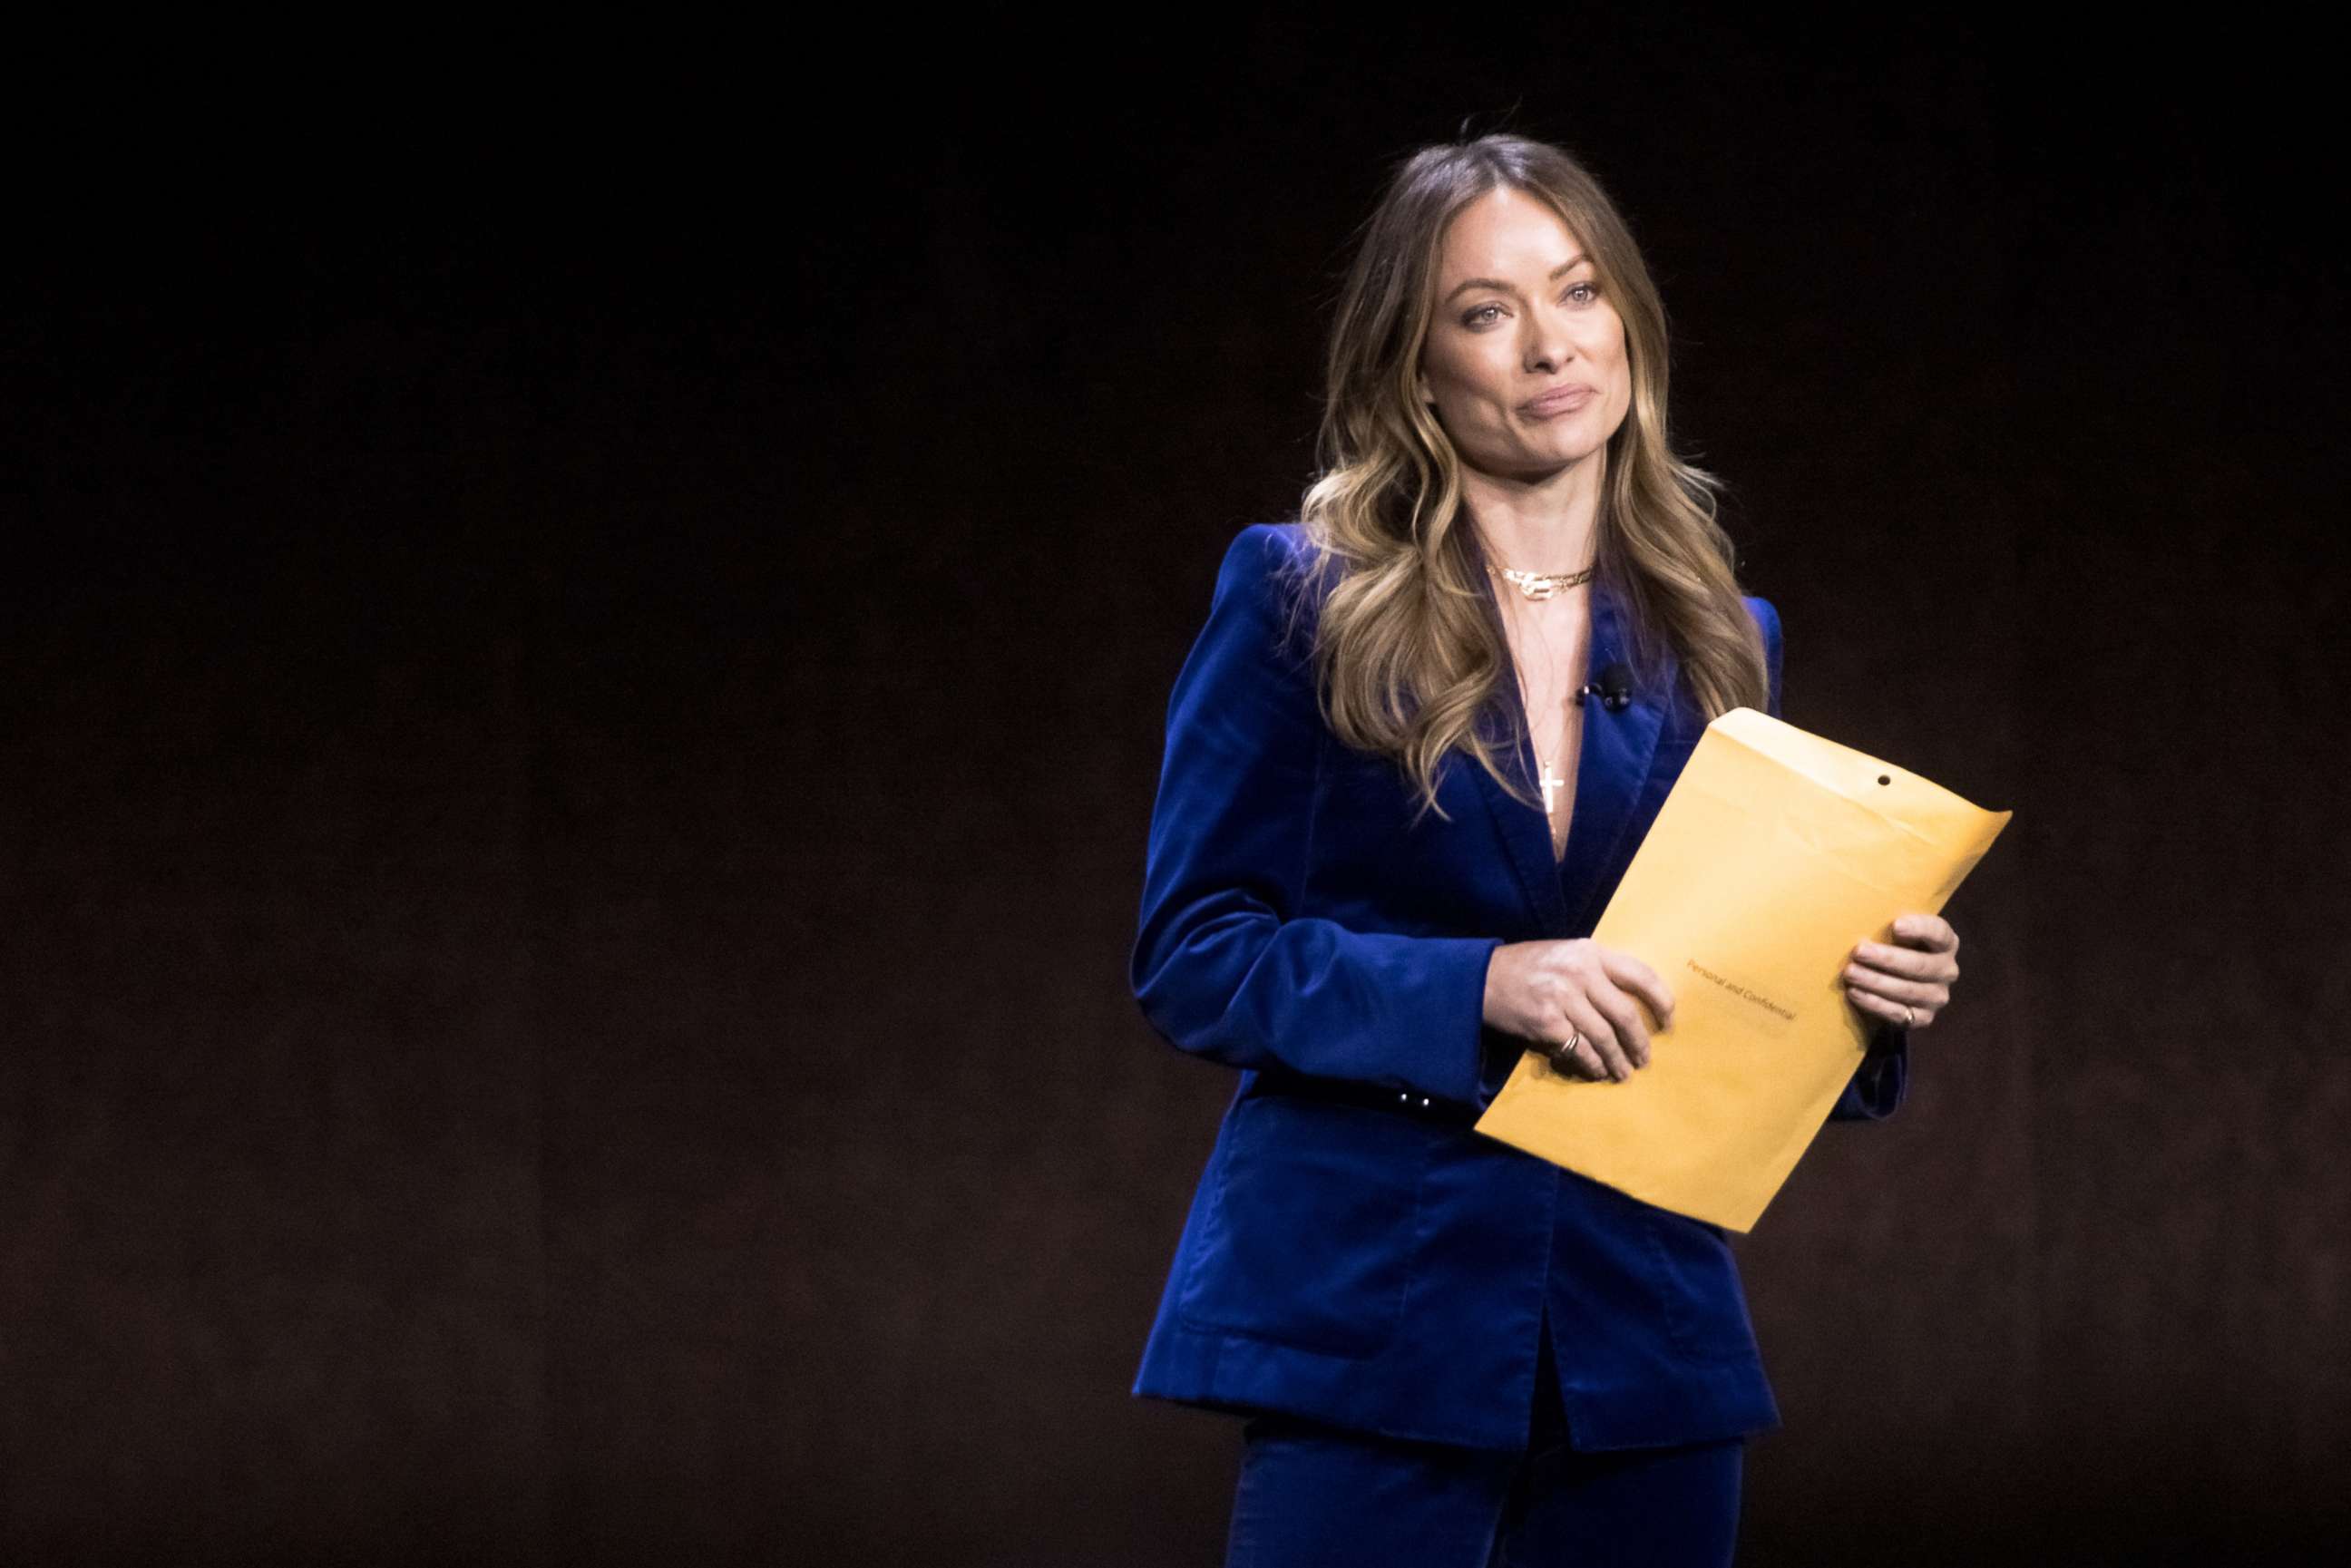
x=1613 y=687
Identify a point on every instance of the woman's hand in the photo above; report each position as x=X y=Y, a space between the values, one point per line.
x=1547 y=992
x=1911 y=983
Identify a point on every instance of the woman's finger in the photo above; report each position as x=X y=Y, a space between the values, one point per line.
x=1599 y=1037
x=1899 y=992
x=1624 y=1015
x=1908 y=963
x=1552 y=1045
x=1930 y=932
x=1911 y=1017
x=1577 y=1064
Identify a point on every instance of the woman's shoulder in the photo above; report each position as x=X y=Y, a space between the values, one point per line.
x=1271 y=562
x=1264 y=591
x=1265 y=547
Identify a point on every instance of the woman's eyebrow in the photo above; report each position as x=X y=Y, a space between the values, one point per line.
x=1497 y=283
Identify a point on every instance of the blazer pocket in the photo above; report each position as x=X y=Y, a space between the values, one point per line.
x=1313 y=1229
x=1699 y=1289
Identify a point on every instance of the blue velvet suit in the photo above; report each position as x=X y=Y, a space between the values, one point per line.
x=1373 y=1268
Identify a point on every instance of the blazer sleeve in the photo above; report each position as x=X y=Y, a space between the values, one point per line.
x=1882 y=1080
x=1223 y=966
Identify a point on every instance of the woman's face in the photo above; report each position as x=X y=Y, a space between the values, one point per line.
x=1519 y=314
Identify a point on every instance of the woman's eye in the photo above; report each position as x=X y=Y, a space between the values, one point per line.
x=1478 y=318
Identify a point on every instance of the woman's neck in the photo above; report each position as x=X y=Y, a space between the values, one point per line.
x=1548 y=529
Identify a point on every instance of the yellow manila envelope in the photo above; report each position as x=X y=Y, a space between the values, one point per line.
x=1776 y=852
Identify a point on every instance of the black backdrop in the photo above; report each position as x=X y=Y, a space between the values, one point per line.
x=586 y=636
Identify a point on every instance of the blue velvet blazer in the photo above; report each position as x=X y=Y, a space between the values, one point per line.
x=1377 y=1267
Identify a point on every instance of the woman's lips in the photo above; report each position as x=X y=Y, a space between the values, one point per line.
x=1558 y=400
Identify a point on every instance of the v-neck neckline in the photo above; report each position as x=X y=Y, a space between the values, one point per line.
x=1598 y=607
x=1614 y=758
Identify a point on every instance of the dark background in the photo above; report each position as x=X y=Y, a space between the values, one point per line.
x=586 y=637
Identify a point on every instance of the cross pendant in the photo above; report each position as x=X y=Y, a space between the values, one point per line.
x=1550 y=781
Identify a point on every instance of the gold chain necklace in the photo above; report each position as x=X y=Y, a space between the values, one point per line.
x=1542 y=584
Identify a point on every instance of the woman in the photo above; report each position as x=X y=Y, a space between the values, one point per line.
x=1410 y=757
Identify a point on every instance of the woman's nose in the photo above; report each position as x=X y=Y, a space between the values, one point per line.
x=1547 y=344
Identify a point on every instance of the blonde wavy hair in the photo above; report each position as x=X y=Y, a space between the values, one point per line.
x=1406 y=652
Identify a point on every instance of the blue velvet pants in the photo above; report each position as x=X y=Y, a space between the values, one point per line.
x=1312 y=1494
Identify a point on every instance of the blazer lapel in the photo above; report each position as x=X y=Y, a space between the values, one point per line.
x=1616 y=752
